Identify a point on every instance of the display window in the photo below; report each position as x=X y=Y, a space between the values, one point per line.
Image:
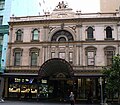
x=23 y=88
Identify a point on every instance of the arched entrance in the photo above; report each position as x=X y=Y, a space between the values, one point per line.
x=55 y=79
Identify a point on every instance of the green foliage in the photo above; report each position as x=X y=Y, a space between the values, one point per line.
x=113 y=75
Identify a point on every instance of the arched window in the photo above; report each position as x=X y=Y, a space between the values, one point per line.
x=19 y=35
x=35 y=34
x=62 y=35
x=108 y=32
x=34 y=53
x=62 y=39
x=17 y=53
x=90 y=32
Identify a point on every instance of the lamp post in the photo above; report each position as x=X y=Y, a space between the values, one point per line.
x=101 y=90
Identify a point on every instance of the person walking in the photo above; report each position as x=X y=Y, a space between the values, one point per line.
x=72 y=100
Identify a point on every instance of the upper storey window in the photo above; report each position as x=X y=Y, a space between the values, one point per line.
x=108 y=32
x=19 y=35
x=62 y=36
x=2 y=4
x=90 y=54
x=109 y=53
x=90 y=33
x=17 y=53
x=34 y=53
x=35 y=35
x=1 y=20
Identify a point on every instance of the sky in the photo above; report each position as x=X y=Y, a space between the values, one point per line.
x=36 y=7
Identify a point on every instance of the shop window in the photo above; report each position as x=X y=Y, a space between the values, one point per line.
x=19 y=35
x=35 y=35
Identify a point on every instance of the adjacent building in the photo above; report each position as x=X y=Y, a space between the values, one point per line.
x=5 y=7
x=109 y=5
x=50 y=55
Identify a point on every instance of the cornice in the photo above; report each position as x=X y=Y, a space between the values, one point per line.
x=71 y=20
x=96 y=42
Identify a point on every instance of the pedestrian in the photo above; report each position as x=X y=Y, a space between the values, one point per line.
x=72 y=100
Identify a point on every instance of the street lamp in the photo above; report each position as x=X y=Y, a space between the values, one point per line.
x=101 y=89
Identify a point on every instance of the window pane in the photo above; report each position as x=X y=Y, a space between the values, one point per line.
x=71 y=57
x=1 y=20
x=90 y=32
x=53 y=55
x=2 y=4
x=34 y=58
x=91 y=58
x=108 y=32
x=109 y=57
x=62 y=55
x=35 y=35
x=90 y=61
x=19 y=34
x=62 y=39
x=17 y=58
x=90 y=54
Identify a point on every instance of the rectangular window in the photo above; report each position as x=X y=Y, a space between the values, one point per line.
x=1 y=20
x=62 y=55
x=91 y=58
x=17 y=58
x=52 y=54
x=34 y=56
x=109 y=57
x=71 y=57
x=2 y=4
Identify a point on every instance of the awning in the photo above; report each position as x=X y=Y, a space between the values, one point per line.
x=56 y=67
x=19 y=75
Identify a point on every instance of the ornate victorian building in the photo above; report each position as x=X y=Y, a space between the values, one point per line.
x=51 y=55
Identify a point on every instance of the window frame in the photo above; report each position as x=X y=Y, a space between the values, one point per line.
x=33 y=51
x=19 y=35
x=15 y=51
x=93 y=50
x=106 y=50
x=109 y=32
x=90 y=32
x=34 y=35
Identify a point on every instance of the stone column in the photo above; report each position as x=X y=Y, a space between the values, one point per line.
x=46 y=29
x=78 y=54
x=79 y=32
x=1 y=87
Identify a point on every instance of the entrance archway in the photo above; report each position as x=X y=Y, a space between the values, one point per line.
x=55 y=76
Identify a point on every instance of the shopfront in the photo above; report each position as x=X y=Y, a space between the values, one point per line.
x=55 y=80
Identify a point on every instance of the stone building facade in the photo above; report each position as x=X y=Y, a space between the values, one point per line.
x=51 y=55
x=109 y=5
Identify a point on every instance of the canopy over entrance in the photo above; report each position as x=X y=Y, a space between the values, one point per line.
x=56 y=68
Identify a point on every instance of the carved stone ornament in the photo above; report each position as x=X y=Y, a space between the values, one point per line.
x=61 y=5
